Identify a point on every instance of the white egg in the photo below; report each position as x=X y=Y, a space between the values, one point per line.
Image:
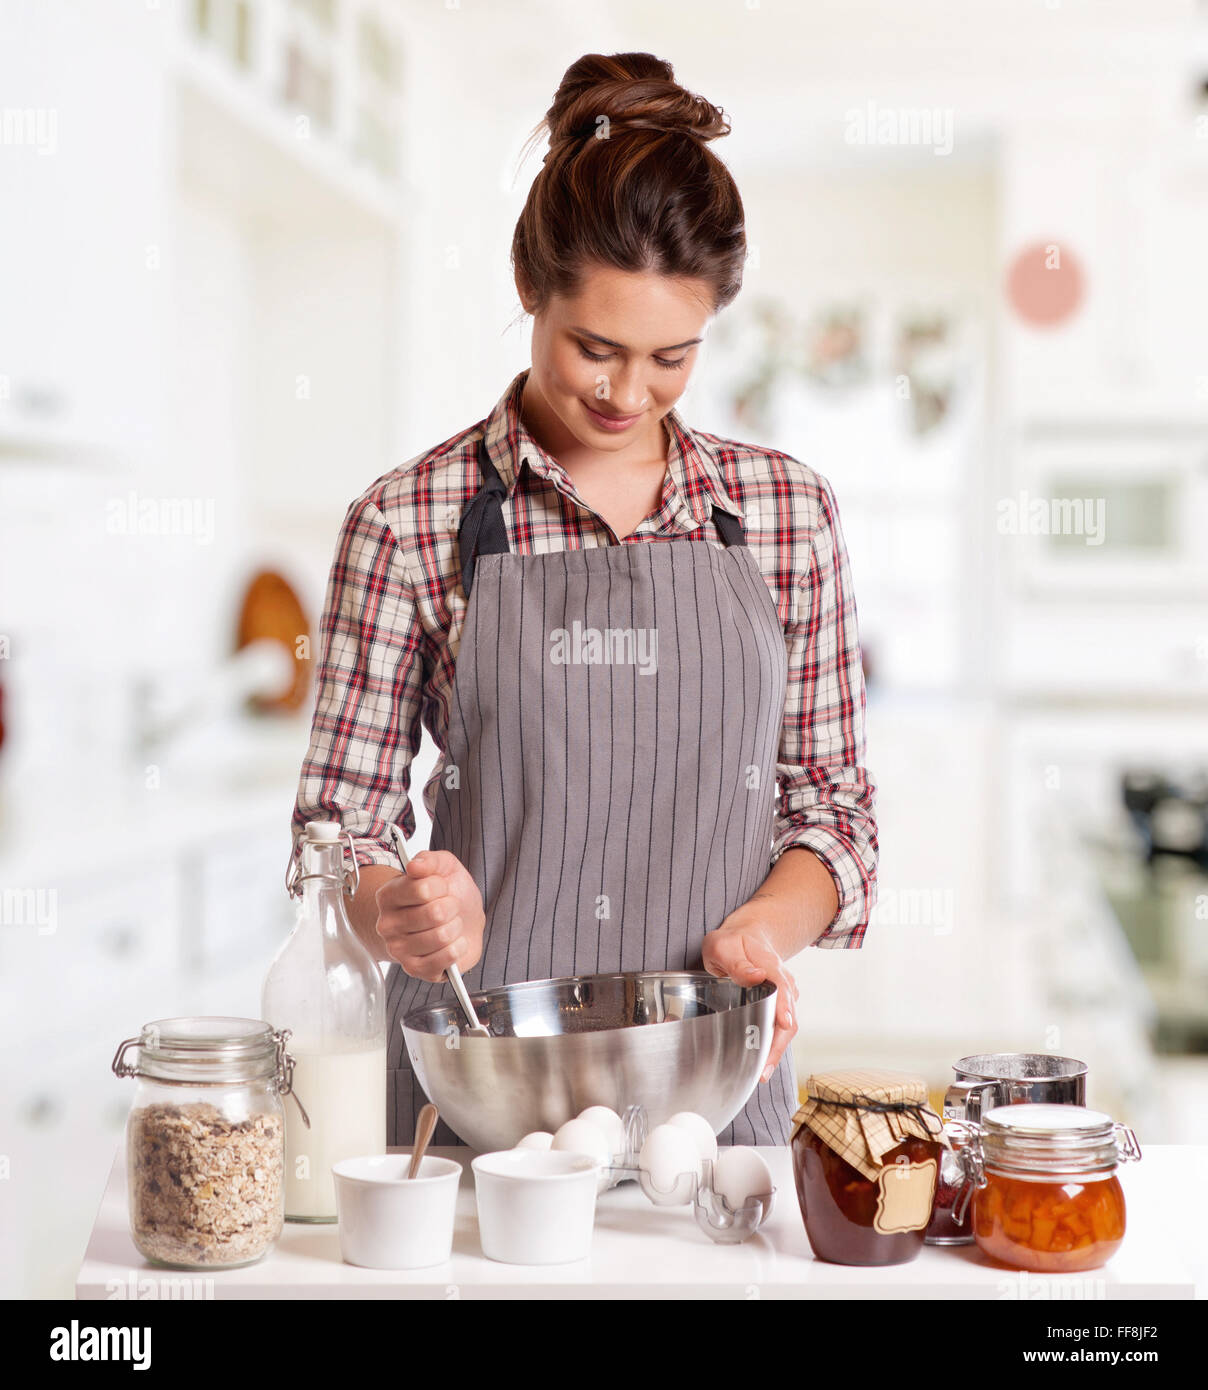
x=582 y=1137
x=700 y=1129
x=609 y=1123
x=668 y=1152
x=539 y=1139
x=740 y=1174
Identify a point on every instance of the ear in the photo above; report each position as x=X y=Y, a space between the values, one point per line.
x=524 y=290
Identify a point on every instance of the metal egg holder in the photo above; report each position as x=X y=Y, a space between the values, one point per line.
x=714 y=1215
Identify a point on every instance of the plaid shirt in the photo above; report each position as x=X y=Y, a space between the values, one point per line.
x=394 y=611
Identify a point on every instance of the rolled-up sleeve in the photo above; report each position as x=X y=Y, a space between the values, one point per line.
x=368 y=691
x=826 y=798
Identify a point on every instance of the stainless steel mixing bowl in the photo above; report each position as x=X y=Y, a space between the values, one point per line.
x=668 y=1040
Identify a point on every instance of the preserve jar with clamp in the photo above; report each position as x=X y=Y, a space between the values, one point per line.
x=205 y=1140
x=1045 y=1192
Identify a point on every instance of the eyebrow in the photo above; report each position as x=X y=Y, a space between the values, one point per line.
x=608 y=342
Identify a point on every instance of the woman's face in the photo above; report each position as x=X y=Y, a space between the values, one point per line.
x=610 y=361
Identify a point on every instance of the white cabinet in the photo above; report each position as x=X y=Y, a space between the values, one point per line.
x=82 y=273
x=179 y=920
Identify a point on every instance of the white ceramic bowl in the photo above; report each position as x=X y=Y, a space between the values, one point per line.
x=535 y=1208
x=388 y=1221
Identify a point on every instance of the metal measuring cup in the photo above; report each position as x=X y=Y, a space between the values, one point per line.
x=987 y=1079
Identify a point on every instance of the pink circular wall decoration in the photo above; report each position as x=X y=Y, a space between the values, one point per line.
x=1045 y=284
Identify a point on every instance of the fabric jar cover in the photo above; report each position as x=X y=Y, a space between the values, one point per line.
x=845 y=1110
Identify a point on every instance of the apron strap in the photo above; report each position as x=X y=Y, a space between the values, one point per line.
x=482 y=530
x=729 y=528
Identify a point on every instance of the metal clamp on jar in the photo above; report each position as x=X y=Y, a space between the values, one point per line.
x=1043 y=1184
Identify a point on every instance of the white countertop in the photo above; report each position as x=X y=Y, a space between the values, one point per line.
x=643 y=1251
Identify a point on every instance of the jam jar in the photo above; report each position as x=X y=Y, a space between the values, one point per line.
x=866 y=1157
x=1046 y=1194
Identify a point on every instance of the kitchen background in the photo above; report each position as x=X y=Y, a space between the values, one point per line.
x=255 y=255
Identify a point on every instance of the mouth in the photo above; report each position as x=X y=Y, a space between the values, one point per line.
x=613 y=423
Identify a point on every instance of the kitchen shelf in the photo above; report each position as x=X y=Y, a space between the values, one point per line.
x=254 y=97
x=251 y=154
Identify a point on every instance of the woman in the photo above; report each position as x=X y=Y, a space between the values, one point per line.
x=620 y=633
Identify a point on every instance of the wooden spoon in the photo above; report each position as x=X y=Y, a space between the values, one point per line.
x=423 y=1133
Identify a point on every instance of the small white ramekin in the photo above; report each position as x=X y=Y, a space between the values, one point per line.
x=390 y=1221
x=534 y=1207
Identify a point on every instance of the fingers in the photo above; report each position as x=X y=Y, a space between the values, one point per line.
x=724 y=953
x=433 y=861
x=780 y=1040
x=406 y=890
x=786 y=997
x=435 y=939
x=736 y=956
x=428 y=952
x=786 y=1020
x=427 y=921
x=772 y=968
x=432 y=967
x=742 y=958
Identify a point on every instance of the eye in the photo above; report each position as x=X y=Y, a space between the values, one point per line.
x=672 y=366
x=594 y=356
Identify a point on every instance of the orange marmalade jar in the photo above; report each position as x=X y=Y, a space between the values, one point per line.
x=1047 y=1197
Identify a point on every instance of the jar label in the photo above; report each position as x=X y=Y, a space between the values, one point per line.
x=905 y=1193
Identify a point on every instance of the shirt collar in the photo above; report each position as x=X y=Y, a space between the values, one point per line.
x=694 y=472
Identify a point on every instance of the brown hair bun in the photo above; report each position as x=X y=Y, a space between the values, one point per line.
x=621 y=186
x=629 y=91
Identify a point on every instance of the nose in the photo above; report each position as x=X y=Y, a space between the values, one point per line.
x=627 y=394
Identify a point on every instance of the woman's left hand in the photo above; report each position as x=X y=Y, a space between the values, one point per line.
x=743 y=949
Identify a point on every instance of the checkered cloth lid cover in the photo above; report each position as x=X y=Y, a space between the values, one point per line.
x=844 y=1109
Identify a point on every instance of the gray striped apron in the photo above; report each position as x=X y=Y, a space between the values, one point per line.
x=615 y=720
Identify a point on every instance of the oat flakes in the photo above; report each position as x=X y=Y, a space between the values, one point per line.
x=204 y=1189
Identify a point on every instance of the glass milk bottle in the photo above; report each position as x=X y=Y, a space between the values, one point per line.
x=326 y=988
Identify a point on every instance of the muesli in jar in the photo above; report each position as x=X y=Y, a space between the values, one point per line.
x=205 y=1140
x=205 y=1189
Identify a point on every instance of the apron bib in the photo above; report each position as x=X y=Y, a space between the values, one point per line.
x=614 y=725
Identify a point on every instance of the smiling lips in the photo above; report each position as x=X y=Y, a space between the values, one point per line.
x=611 y=422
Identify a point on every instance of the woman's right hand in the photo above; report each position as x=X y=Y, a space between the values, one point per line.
x=432 y=916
